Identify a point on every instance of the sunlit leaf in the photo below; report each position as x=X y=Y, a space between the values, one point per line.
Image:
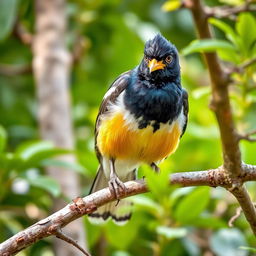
x=171 y=233
x=121 y=253
x=250 y=249
x=28 y=149
x=67 y=165
x=46 y=183
x=179 y=193
x=146 y=203
x=158 y=183
x=33 y=153
x=3 y=139
x=229 y=55
x=228 y=30
x=171 y=5
x=201 y=92
x=246 y=29
x=207 y=45
x=232 y=2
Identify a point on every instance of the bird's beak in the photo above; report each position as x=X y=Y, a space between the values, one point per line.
x=155 y=65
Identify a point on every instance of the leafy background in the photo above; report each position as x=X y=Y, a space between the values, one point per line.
x=167 y=221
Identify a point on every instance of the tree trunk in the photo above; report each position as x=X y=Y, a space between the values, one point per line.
x=51 y=66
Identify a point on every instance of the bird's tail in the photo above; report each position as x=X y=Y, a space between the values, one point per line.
x=120 y=211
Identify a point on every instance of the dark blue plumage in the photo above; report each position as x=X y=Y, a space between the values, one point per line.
x=155 y=96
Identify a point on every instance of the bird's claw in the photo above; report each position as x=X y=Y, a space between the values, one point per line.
x=155 y=167
x=117 y=187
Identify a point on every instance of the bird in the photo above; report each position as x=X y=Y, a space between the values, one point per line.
x=141 y=119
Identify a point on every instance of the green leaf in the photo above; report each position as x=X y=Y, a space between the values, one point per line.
x=46 y=183
x=68 y=165
x=29 y=149
x=177 y=193
x=122 y=237
x=33 y=153
x=246 y=29
x=121 y=253
x=207 y=45
x=171 y=233
x=229 y=31
x=201 y=92
x=250 y=249
x=226 y=242
x=171 y=5
x=209 y=222
x=158 y=183
x=232 y=2
x=147 y=204
x=8 y=10
x=3 y=139
x=95 y=232
x=11 y=223
x=229 y=55
x=192 y=205
x=10 y=162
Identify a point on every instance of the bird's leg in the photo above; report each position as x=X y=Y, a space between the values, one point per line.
x=116 y=186
x=155 y=167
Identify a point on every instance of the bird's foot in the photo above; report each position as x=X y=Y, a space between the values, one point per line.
x=155 y=167
x=116 y=187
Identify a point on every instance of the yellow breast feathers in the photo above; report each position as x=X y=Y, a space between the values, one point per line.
x=116 y=139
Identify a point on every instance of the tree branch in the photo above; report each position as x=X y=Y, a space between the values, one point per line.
x=241 y=68
x=81 y=206
x=11 y=70
x=247 y=136
x=59 y=234
x=229 y=12
x=22 y=34
x=220 y=104
x=242 y=196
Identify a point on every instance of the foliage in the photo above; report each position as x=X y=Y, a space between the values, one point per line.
x=112 y=35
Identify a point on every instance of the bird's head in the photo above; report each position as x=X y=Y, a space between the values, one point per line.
x=160 y=61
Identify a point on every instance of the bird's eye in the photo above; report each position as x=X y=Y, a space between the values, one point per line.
x=146 y=58
x=168 y=59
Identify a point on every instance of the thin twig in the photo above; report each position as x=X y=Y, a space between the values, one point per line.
x=248 y=63
x=229 y=12
x=247 y=136
x=243 y=197
x=80 y=45
x=241 y=68
x=22 y=34
x=235 y=217
x=59 y=234
x=11 y=70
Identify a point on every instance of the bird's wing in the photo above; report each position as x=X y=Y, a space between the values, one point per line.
x=185 y=109
x=116 y=88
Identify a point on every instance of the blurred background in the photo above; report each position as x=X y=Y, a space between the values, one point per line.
x=101 y=39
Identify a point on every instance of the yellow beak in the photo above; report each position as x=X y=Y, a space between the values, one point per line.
x=155 y=65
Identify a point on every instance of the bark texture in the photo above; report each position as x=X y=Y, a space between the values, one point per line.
x=51 y=66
